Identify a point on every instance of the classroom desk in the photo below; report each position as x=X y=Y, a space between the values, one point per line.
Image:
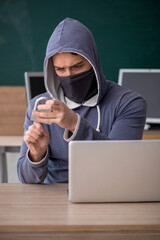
x=151 y=134
x=13 y=144
x=7 y=144
x=35 y=211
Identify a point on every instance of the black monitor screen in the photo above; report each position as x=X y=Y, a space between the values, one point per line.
x=37 y=86
x=34 y=82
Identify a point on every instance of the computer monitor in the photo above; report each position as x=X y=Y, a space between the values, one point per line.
x=34 y=82
x=147 y=83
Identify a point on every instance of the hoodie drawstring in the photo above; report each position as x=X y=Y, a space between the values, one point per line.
x=99 y=118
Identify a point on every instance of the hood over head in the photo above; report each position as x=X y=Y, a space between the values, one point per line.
x=72 y=36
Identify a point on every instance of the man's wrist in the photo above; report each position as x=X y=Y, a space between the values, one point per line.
x=36 y=157
x=67 y=135
x=74 y=124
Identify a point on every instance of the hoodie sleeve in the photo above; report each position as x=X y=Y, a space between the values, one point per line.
x=127 y=124
x=130 y=120
x=29 y=172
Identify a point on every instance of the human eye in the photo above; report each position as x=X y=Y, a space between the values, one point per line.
x=59 y=69
x=78 y=66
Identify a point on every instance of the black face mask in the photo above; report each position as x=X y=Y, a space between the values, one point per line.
x=79 y=87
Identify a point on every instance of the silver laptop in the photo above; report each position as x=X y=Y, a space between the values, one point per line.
x=114 y=171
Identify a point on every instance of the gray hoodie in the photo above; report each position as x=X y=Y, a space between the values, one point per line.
x=114 y=113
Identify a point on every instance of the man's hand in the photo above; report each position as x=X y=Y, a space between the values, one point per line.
x=59 y=114
x=37 y=140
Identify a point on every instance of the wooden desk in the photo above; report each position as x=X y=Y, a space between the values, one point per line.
x=44 y=212
x=151 y=134
x=7 y=144
x=13 y=144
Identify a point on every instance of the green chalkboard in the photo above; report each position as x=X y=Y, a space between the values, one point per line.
x=127 y=33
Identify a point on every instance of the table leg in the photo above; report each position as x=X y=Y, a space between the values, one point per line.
x=3 y=166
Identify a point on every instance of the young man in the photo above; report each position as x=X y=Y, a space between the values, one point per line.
x=82 y=105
